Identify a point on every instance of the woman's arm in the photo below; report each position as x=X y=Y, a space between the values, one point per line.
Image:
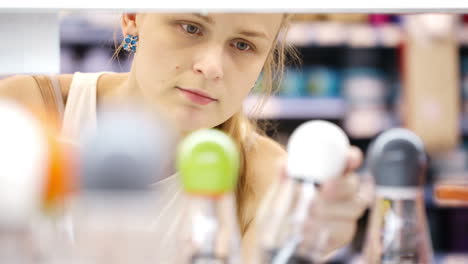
x=22 y=89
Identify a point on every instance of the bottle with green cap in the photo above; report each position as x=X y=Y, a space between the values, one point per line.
x=208 y=165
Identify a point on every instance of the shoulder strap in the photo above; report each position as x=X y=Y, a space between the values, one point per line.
x=52 y=97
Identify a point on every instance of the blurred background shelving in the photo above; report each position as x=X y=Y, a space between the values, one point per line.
x=351 y=74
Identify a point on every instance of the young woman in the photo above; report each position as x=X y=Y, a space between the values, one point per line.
x=197 y=70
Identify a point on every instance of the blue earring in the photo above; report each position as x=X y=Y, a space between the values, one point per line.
x=130 y=43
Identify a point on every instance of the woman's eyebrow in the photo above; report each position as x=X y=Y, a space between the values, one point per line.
x=247 y=33
x=207 y=19
x=254 y=34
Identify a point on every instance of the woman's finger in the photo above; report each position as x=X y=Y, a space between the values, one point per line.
x=342 y=188
x=329 y=236
x=355 y=158
x=350 y=208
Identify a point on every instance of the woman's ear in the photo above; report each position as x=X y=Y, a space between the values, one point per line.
x=129 y=24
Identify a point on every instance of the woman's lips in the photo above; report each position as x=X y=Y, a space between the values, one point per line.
x=196 y=96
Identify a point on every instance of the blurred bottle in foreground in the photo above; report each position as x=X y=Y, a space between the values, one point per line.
x=397 y=231
x=24 y=154
x=208 y=163
x=114 y=207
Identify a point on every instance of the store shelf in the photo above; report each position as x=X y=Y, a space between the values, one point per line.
x=297 y=108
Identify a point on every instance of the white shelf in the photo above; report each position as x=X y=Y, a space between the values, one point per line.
x=278 y=107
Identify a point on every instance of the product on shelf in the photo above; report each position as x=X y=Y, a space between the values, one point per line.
x=431 y=80
x=365 y=90
x=293 y=83
x=321 y=81
x=451 y=178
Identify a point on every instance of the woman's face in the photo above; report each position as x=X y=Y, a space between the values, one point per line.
x=200 y=68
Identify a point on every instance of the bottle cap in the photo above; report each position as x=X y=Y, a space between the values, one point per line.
x=208 y=163
x=126 y=152
x=396 y=158
x=317 y=151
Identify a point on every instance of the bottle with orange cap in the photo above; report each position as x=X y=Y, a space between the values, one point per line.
x=53 y=226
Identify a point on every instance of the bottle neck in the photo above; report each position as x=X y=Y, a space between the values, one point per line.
x=214 y=224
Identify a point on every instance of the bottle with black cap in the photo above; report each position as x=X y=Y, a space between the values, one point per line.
x=397 y=230
x=114 y=207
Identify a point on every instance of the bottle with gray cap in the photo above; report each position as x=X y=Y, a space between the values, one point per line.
x=115 y=206
x=397 y=230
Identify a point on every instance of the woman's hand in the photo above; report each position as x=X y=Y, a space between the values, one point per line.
x=337 y=207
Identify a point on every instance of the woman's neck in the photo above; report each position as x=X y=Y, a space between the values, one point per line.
x=116 y=87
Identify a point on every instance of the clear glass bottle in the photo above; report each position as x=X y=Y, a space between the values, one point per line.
x=286 y=230
x=212 y=235
x=208 y=165
x=283 y=237
x=397 y=231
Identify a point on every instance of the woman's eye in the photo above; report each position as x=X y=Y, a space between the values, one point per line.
x=243 y=46
x=191 y=29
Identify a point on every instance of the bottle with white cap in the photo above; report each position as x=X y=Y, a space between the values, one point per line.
x=397 y=230
x=23 y=164
x=114 y=207
x=208 y=163
x=317 y=152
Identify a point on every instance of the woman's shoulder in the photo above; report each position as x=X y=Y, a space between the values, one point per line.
x=24 y=89
x=265 y=160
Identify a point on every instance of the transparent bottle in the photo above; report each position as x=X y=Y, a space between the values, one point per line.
x=208 y=163
x=212 y=235
x=397 y=231
x=287 y=232
x=283 y=235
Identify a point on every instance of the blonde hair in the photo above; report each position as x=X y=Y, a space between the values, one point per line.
x=239 y=126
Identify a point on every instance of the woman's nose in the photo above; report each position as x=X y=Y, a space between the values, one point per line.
x=210 y=63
